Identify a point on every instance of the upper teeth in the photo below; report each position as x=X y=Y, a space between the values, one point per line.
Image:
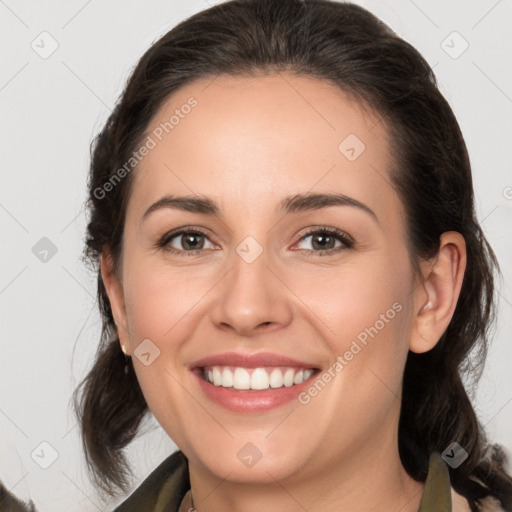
x=255 y=378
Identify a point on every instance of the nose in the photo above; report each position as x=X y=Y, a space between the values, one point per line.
x=252 y=299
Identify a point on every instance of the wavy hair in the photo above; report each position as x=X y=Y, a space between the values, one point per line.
x=351 y=48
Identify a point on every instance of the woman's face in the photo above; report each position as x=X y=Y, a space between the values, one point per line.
x=266 y=279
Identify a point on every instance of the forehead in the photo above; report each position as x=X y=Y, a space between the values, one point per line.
x=259 y=138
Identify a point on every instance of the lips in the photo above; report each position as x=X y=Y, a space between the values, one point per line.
x=259 y=360
x=265 y=382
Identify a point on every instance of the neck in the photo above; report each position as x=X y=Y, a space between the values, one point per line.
x=366 y=477
x=375 y=483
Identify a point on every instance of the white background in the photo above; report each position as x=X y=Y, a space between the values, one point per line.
x=51 y=109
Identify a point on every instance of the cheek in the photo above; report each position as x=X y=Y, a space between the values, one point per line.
x=348 y=300
x=159 y=297
x=159 y=303
x=363 y=313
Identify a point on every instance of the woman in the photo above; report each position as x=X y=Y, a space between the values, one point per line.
x=290 y=272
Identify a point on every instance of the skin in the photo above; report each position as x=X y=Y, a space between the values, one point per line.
x=250 y=142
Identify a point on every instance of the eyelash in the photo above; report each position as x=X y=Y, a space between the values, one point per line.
x=342 y=236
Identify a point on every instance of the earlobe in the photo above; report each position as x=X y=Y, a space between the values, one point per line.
x=114 y=289
x=439 y=293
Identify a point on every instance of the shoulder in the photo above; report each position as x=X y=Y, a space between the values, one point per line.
x=163 y=489
x=10 y=503
x=460 y=504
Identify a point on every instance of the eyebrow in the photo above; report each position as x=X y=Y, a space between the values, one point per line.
x=292 y=204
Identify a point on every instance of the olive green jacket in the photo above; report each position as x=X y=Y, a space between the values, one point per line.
x=164 y=489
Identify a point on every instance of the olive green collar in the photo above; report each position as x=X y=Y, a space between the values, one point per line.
x=164 y=489
x=437 y=495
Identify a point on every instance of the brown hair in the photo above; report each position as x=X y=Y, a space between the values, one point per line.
x=351 y=48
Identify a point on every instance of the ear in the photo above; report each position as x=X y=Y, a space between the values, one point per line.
x=436 y=297
x=114 y=289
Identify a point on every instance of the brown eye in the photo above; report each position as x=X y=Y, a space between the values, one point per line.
x=191 y=241
x=323 y=241
x=327 y=241
x=186 y=242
